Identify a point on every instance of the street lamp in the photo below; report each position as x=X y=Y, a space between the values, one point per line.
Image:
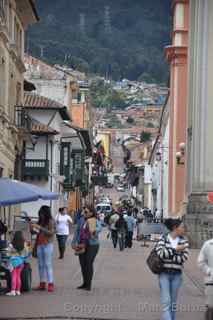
x=179 y=157
x=180 y=154
x=33 y=139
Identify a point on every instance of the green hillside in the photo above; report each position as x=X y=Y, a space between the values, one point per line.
x=114 y=38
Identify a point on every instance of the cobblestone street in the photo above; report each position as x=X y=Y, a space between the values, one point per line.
x=124 y=288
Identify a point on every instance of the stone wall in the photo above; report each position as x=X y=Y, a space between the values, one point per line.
x=199 y=219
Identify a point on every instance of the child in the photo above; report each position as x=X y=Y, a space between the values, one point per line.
x=17 y=255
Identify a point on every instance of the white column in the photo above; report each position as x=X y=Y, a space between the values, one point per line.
x=200 y=103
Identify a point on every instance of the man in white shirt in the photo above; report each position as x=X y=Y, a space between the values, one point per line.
x=63 y=223
x=205 y=263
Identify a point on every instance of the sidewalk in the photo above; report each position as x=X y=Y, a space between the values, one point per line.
x=124 y=288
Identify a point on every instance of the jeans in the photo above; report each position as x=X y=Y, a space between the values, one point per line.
x=169 y=286
x=45 y=268
x=62 y=239
x=129 y=237
x=114 y=236
x=16 y=278
x=86 y=261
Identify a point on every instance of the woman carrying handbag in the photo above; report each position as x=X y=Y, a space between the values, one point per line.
x=173 y=250
x=86 y=245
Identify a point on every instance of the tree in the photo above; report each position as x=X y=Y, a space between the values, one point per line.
x=150 y=125
x=145 y=136
x=130 y=120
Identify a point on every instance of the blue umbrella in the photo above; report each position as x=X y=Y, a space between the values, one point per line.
x=14 y=192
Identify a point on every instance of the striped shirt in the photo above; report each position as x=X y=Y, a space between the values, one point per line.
x=172 y=259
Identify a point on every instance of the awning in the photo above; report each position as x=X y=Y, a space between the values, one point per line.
x=14 y=192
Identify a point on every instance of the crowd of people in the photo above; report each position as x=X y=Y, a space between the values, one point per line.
x=172 y=249
x=85 y=244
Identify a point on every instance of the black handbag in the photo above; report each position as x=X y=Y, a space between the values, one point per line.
x=154 y=262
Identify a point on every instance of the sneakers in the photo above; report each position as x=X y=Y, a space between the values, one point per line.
x=11 y=293
x=18 y=293
x=41 y=286
x=50 y=287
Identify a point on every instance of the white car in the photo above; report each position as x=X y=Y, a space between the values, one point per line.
x=105 y=208
x=120 y=188
x=105 y=200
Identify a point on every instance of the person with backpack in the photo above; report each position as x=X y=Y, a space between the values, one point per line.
x=114 y=233
x=86 y=245
x=131 y=224
x=122 y=230
x=173 y=251
x=18 y=252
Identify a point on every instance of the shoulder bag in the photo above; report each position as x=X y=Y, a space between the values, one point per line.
x=154 y=262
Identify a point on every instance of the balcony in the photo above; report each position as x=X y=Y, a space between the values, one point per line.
x=23 y=120
x=35 y=168
x=67 y=187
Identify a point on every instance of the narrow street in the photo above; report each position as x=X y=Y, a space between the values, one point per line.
x=124 y=288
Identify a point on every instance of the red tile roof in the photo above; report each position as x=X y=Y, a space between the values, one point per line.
x=32 y=100
x=42 y=128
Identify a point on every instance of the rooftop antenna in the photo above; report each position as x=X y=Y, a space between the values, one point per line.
x=42 y=51
x=82 y=23
x=107 y=20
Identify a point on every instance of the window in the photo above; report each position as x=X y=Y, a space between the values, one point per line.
x=65 y=156
x=10 y=22
x=3 y=12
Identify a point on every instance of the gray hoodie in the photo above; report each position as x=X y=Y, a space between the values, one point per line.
x=205 y=261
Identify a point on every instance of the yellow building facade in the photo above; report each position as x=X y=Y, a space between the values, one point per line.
x=15 y=16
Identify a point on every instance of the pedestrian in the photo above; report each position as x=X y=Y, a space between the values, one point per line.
x=131 y=223
x=86 y=245
x=17 y=253
x=114 y=234
x=135 y=212
x=3 y=229
x=158 y=215
x=45 y=230
x=173 y=249
x=205 y=263
x=122 y=229
x=63 y=225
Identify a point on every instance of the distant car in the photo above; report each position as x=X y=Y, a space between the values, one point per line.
x=121 y=188
x=103 y=208
x=105 y=200
x=109 y=185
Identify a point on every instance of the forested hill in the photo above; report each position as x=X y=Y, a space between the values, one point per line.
x=118 y=38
